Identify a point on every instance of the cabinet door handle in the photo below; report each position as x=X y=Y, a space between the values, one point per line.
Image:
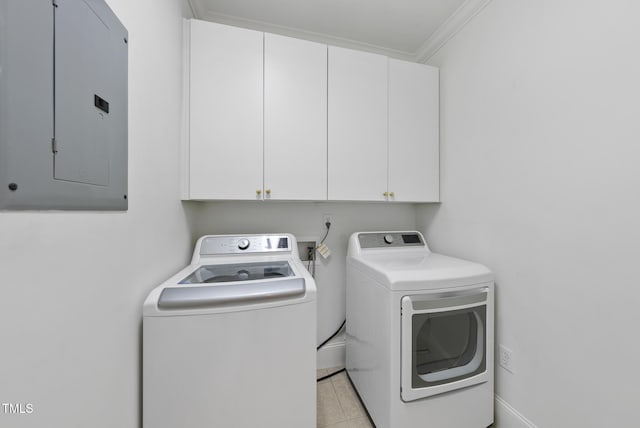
x=258 y=192
x=268 y=191
x=385 y=194
x=392 y=194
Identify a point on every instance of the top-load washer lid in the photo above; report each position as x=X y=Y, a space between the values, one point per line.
x=239 y=272
x=403 y=261
x=233 y=284
x=230 y=273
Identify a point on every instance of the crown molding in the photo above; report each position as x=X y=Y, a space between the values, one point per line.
x=195 y=11
x=297 y=33
x=461 y=17
x=456 y=22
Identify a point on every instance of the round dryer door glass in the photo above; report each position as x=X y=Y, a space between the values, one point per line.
x=444 y=340
x=448 y=346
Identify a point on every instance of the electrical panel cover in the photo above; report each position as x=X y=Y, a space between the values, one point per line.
x=63 y=106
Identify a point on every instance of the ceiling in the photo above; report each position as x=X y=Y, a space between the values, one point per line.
x=401 y=28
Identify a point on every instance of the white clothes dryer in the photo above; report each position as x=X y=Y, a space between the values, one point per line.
x=419 y=343
x=230 y=340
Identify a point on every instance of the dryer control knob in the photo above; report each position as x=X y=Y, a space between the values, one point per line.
x=243 y=244
x=388 y=239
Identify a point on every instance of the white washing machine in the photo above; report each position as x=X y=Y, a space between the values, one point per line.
x=419 y=333
x=230 y=341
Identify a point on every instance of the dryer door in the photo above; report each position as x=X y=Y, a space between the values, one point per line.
x=444 y=342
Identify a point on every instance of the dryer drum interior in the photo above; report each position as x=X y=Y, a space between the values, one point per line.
x=448 y=346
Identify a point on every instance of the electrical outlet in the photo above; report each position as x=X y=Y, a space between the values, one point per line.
x=326 y=218
x=506 y=359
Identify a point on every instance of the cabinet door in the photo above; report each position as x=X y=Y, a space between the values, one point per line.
x=295 y=126
x=357 y=125
x=226 y=85
x=413 y=132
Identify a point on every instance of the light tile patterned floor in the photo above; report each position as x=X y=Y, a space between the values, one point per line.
x=338 y=404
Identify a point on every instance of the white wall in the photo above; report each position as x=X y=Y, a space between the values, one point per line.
x=304 y=219
x=72 y=283
x=540 y=181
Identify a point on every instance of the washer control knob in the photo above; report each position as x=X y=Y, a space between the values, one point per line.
x=243 y=244
x=388 y=239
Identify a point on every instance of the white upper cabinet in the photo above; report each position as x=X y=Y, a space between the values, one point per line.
x=225 y=112
x=357 y=124
x=413 y=132
x=295 y=119
x=270 y=117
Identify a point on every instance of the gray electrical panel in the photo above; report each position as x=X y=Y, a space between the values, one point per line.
x=63 y=106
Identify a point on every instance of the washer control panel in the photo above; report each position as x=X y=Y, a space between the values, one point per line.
x=215 y=245
x=390 y=239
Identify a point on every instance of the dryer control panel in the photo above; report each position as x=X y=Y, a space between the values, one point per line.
x=390 y=239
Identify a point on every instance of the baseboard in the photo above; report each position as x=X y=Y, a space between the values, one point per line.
x=508 y=417
x=332 y=354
